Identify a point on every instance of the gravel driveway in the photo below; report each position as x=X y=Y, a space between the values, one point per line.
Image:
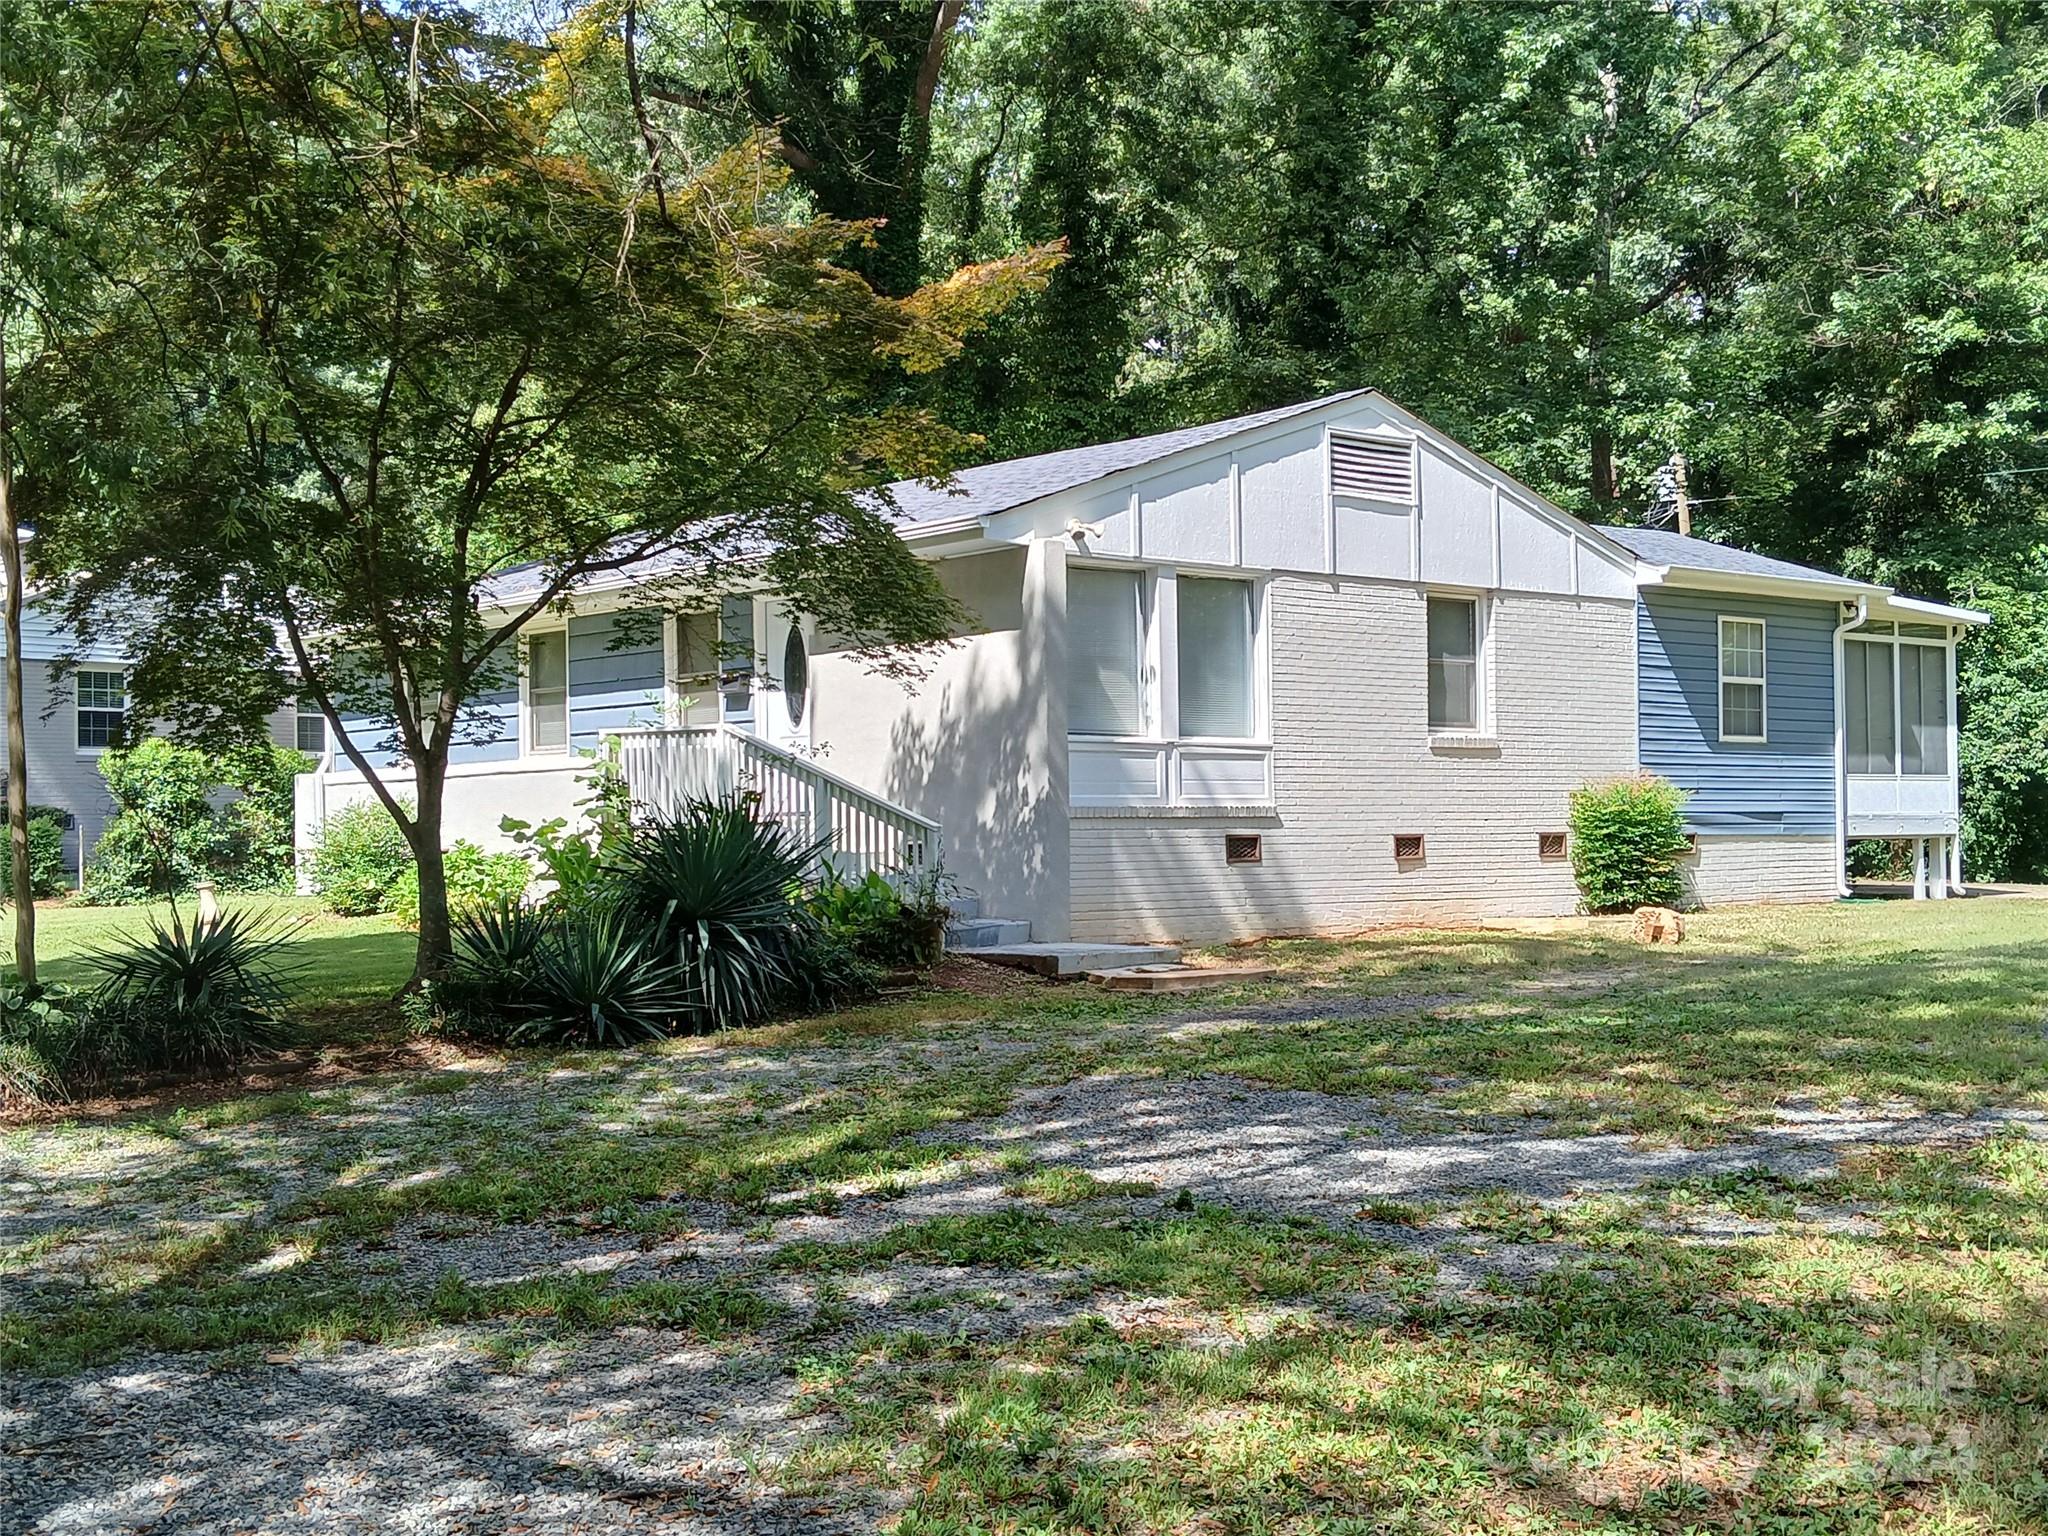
x=502 y=1428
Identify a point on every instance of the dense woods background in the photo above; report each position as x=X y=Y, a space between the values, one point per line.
x=1802 y=242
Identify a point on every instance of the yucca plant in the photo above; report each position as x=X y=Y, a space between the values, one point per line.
x=206 y=995
x=720 y=885
x=596 y=982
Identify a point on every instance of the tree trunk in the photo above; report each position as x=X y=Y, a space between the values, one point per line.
x=22 y=883
x=436 y=943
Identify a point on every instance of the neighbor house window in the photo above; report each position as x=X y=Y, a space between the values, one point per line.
x=102 y=706
x=1215 y=655
x=1454 y=701
x=1867 y=691
x=1923 y=709
x=312 y=730
x=547 y=691
x=1742 y=679
x=1105 y=647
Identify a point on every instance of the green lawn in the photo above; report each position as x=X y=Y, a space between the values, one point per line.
x=1861 y=1351
x=342 y=960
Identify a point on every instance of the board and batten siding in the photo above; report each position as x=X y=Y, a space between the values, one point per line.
x=1353 y=765
x=1782 y=786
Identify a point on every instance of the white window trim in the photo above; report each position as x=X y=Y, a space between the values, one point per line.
x=1481 y=732
x=1722 y=679
x=1152 y=721
x=76 y=706
x=526 y=744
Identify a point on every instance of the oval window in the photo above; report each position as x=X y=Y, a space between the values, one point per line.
x=796 y=675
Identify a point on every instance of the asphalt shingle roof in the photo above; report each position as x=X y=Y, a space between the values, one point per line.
x=1660 y=546
x=991 y=488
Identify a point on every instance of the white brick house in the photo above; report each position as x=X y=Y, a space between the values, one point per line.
x=1310 y=669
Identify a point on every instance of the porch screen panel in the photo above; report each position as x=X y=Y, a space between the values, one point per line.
x=1923 y=709
x=1215 y=656
x=1104 y=626
x=1867 y=693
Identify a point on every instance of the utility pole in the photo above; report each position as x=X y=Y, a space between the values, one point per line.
x=1678 y=488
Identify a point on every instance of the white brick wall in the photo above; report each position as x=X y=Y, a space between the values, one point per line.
x=1731 y=870
x=1353 y=766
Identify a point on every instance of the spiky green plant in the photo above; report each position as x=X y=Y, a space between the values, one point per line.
x=199 y=996
x=721 y=885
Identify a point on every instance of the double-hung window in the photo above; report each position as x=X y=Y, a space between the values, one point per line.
x=1215 y=656
x=1455 y=684
x=1105 y=652
x=102 y=694
x=547 y=691
x=310 y=729
x=1742 y=680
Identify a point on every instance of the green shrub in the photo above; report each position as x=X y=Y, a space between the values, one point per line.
x=182 y=815
x=358 y=859
x=1627 y=836
x=475 y=879
x=202 y=996
x=47 y=836
x=891 y=924
x=576 y=866
x=52 y=1045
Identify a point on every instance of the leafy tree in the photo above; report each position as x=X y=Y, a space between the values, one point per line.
x=417 y=338
x=846 y=86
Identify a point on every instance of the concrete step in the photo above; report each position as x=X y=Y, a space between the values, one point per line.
x=1178 y=978
x=968 y=905
x=979 y=933
x=1074 y=960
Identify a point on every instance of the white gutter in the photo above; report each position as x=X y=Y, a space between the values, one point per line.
x=1862 y=615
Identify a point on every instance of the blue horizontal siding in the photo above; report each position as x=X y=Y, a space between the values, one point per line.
x=1785 y=784
x=486 y=732
x=614 y=677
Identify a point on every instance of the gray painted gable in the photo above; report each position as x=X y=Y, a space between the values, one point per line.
x=990 y=488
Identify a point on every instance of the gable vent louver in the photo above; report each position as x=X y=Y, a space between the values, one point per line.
x=1382 y=468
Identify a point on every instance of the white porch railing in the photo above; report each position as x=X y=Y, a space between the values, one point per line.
x=665 y=768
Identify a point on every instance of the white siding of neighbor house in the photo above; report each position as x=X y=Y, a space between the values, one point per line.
x=58 y=773
x=1354 y=765
x=1779 y=868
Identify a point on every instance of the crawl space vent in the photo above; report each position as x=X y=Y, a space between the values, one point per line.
x=1242 y=848
x=1407 y=846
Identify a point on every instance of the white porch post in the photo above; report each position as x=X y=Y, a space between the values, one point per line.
x=1938 y=875
x=1955 y=865
x=1919 y=869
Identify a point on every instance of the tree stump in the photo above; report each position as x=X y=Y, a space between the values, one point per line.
x=1659 y=925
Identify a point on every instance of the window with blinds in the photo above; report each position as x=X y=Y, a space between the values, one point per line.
x=1215 y=656
x=1105 y=650
x=1382 y=468
x=547 y=691
x=1454 y=702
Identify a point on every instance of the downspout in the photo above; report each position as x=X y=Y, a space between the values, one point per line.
x=1842 y=748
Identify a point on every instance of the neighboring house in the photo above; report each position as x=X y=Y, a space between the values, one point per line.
x=75 y=701
x=71 y=719
x=1305 y=670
